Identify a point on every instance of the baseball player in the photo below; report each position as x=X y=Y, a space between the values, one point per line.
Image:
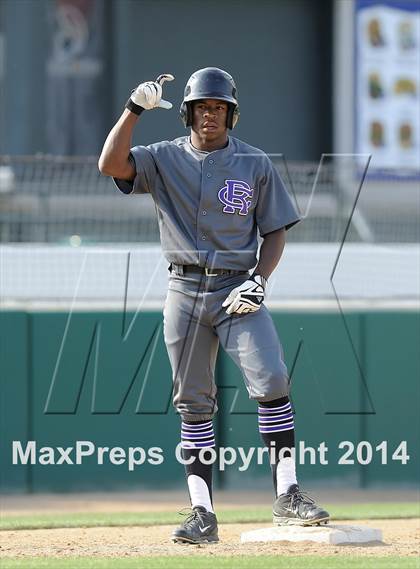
x=213 y=193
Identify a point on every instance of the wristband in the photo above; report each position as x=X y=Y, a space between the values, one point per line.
x=131 y=106
x=263 y=280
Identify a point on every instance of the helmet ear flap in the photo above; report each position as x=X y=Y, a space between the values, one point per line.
x=189 y=113
x=232 y=116
x=236 y=115
x=185 y=111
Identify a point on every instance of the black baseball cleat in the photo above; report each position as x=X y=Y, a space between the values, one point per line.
x=199 y=527
x=297 y=508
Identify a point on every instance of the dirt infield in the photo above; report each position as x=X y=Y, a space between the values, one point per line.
x=401 y=537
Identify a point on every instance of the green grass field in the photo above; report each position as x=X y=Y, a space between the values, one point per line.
x=212 y=560
x=391 y=510
x=186 y=562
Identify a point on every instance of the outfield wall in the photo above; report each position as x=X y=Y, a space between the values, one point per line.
x=105 y=378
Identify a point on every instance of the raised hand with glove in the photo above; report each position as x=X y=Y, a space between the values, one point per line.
x=246 y=297
x=148 y=95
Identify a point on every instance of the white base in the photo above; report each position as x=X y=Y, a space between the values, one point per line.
x=331 y=533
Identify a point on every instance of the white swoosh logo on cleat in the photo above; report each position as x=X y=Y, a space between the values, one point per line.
x=204 y=529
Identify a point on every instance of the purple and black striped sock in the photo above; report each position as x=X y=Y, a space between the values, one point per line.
x=276 y=425
x=195 y=437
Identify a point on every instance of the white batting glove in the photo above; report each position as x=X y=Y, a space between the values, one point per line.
x=246 y=297
x=148 y=95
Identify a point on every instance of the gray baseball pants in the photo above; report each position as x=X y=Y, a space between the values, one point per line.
x=195 y=324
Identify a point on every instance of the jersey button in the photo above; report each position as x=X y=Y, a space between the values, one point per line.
x=208 y=175
x=203 y=237
x=211 y=161
x=204 y=212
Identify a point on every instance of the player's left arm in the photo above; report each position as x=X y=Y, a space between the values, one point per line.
x=249 y=296
x=271 y=251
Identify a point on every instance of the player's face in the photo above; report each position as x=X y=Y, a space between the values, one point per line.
x=209 y=119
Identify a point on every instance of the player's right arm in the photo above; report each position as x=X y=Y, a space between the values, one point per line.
x=115 y=156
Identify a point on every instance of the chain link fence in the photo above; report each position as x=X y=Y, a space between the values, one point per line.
x=65 y=200
x=68 y=235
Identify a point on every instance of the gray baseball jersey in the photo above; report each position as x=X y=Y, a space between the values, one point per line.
x=210 y=205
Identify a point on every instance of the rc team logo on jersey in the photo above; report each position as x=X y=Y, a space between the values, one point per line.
x=235 y=195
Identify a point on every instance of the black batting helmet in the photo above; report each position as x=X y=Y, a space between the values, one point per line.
x=210 y=83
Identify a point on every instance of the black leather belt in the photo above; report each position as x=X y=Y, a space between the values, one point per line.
x=182 y=269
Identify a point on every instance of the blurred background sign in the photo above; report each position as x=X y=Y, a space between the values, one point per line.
x=387 y=103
